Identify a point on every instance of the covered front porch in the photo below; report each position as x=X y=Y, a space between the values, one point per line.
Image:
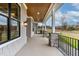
x=39 y=29
x=38 y=46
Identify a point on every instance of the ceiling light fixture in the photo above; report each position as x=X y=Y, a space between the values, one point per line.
x=38 y=13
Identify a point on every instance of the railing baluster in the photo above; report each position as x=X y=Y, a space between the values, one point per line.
x=75 y=47
x=66 y=46
x=78 y=47
x=72 y=47
x=58 y=40
x=69 y=48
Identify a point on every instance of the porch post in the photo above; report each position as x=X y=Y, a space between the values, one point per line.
x=44 y=29
x=53 y=21
x=44 y=26
x=36 y=28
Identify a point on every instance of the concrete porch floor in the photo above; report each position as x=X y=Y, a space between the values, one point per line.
x=38 y=46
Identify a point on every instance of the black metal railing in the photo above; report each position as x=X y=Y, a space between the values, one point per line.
x=68 y=45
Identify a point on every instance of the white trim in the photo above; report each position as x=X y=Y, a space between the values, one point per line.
x=48 y=12
x=25 y=6
x=31 y=18
x=9 y=42
x=54 y=6
x=57 y=6
x=4 y=13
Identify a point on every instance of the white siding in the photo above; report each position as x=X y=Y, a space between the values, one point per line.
x=12 y=47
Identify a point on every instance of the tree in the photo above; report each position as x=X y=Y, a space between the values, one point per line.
x=64 y=24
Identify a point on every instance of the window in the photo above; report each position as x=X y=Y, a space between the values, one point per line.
x=15 y=21
x=14 y=29
x=15 y=11
x=9 y=22
x=4 y=8
x=3 y=22
x=3 y=28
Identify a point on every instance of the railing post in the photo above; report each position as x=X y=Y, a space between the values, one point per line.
x=58 y=40
x=78 y=47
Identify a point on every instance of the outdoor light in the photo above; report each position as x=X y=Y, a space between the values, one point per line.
x=38 y=13
x=24 y=23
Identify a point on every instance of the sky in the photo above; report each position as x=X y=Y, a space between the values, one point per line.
x=68 y=11
x=48 y=23
x=3 y=21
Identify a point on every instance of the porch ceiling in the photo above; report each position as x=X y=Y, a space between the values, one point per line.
x=37 y=10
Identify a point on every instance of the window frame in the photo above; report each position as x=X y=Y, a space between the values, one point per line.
x=9 y=22
x=14 y=20
x=10 y=28
x=7 y=28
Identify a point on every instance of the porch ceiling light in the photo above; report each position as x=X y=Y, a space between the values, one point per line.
x=38 y=13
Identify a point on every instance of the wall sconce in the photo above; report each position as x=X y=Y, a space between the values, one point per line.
x=24 y=23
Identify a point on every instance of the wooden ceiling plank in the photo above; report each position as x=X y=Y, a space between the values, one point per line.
x=33 y=8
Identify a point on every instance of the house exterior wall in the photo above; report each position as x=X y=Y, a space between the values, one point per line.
x=12 y=47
